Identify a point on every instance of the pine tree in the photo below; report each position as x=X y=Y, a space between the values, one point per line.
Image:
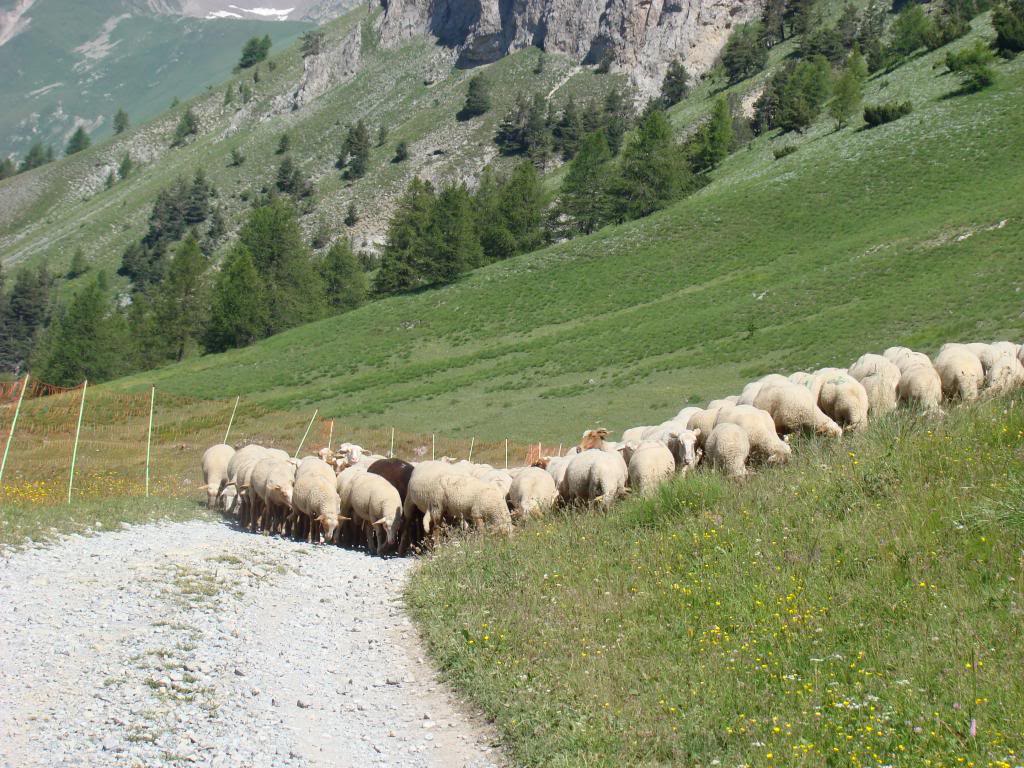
x=846 y=98
x=294 y=290
x=909 y=30
x=799 y=15
x=187 y=126
x=79 y=140
x=179 y=303
x=245 y=93
x=452 y=244
x=856 y=65
x=401 y=152
x=143 y=265
x=584 y=199
x=197 y=200
x=215 y=230
x=78 y=267
x=745 y=53
x=86 y=341
x=344 y=281
x=773 y=22
x=120 y=121
x=351 y=215
x=522 y=203
x=111 y=179
x=357 y=150
x=536 y=135
x=237 y=158
x=288 y=177
x=284 y=143
x=510 y=135
x=238 y=315
x=382 y=135
x=402 y=260
x=653 y=172
x=478 y=97
x=229 y=95
x=7 y=168
x=124 y=169
x=24 y=313
x=803 y=93
x=254 y=51
x=676 y=84
x=312 y=42
x=496 y=240
x=567 y=131
x=1008 y=22
x=713 y=141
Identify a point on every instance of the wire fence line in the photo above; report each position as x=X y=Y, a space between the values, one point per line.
x=119 y=431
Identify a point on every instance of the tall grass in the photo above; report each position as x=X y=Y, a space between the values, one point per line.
x=861 y=606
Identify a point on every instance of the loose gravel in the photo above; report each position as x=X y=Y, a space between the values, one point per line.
x=194 y=644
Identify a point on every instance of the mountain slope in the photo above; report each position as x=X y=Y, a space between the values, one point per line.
x=908 y=233
x=68 y=63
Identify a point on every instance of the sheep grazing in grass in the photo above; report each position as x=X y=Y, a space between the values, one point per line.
x=763 y=443
x=702 y=422
x=843 y=399
x=215 y=463
x=556 y=466
x=499 y=478
x=596 y=438
x=1002 y=368
x=920 y=385
x=881 y=379
x=728 y=449
x=793 y=409
x=650 y=464
x=467 y=501
x=532 y=493
x=750 y=392
x=595 y=475
x=960 y=372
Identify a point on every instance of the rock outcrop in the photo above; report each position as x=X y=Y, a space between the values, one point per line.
x=638 y=37
x=337 y=64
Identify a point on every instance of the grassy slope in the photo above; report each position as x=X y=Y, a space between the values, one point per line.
x=828 y=613
x=46 y=214
x=909 y=233
x=179 y=57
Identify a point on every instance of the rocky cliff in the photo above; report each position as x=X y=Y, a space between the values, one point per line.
x=639 y=37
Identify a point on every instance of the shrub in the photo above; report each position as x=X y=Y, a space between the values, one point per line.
x=880 y=114
x=745 y=53
x=972 y=66
x=783 y=151
x=1008 y=21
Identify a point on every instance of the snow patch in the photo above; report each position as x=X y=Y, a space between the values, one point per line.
x=279 y=14
x=14 y=21
x=100 y=46
x=223 y=15
x=45 y=89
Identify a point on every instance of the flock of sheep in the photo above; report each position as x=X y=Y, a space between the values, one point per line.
x=350 y=496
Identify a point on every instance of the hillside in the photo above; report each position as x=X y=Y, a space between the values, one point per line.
x=69 y=63
x=415 y=90
x=907 y=233
x=860 y=606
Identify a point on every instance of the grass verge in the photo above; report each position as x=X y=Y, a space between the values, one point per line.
x=25 y=523
x=861 y=606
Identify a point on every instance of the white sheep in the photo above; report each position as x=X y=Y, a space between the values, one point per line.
x=650 y=464
x=316 y=497
x=634 y=433
x=703 y=421
x=499 y=478
x=424 y=495
x=556 y=466
x=960 y=372
x=728 y=448
x=468 y=500
x=273 y=483
x=1003 y=371
x=793 y=409
x=881 y=379
x=533 y=492
x=215 y=471
x=843 y=399
x=315 y=465
x=595 y=476
x=749 y=394
x=375 y=507
x=764 y=444
x=920 y=385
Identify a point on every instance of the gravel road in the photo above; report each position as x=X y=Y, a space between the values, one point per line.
x=196 y=644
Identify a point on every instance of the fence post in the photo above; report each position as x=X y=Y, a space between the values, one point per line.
x=149 y=435
x=232 y=419
x=14 y=423
x=306 y=433
x=559 y=450
x=472 y=442
x=391 y=451
x=330 y=436
x=78 y=431
x=431 y=447
x=506 y=453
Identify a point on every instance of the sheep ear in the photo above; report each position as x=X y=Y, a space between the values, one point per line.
x=696 y=432
x=379 y=522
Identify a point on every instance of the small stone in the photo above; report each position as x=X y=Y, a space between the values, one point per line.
x=303 y=704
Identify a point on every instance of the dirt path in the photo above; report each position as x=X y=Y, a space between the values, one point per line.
x=194 y=644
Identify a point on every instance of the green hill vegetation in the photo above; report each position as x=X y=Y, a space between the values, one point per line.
x=82 y=62
x=857 y=240
x=860 y=606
